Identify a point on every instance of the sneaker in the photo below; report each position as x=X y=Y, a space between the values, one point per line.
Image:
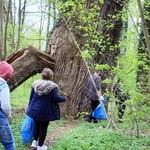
x=34 y=144
x=95 y=121
x=44 y=147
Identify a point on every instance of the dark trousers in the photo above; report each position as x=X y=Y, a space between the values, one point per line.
x=40 y=131
x=94 y=104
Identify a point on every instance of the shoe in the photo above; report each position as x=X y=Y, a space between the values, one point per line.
x=34 y=144
x=95 y=121
x=88 y=120
x=44 y=147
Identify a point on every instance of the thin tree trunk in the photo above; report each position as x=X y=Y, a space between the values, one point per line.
x=144 y=25
x=54 y=13
x=14 y=26
x=19 y=25
x=1 y=29
x=6 y=28
x=144 y=48
x=11 y=19
x=41 y=26
x=48 y=23
x=23 y=13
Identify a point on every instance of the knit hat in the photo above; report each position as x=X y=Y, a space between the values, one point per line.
x=6 y=70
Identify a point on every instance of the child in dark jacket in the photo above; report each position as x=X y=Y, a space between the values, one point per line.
x=43 y=106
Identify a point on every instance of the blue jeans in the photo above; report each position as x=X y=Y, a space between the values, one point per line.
x=6 y=135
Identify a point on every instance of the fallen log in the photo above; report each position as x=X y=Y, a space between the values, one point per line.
x=26 y=63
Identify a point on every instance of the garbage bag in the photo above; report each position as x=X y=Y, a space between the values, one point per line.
x=100 y=112
x=27 y=129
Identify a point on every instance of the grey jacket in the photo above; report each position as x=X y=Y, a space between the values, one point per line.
x=92 y=89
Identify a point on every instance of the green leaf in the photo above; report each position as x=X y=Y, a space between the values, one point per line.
x=101 y=1
x=101 y=67
x=85 y=54
x=107 y=81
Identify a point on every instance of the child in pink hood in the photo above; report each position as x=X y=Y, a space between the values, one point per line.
x=6 y=135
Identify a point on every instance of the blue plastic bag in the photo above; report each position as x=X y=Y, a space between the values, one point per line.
x=105 y=99
x=99 y=112
x=27 y=129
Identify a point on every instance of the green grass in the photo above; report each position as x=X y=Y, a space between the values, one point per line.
x=87 y=136
x=91 y=137
x=20 y=96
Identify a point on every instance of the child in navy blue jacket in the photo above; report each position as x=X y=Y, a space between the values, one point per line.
x=43 y=106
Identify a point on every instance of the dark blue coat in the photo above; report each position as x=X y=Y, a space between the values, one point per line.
x=45 y=107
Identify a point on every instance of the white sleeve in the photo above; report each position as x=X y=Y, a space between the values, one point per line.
x=5 y=101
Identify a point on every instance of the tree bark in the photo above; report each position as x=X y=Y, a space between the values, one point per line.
x=26 y=63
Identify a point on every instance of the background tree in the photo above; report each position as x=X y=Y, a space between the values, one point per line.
x=21 y=17
x=1 y=28
x=144 y=49
x=8 y=9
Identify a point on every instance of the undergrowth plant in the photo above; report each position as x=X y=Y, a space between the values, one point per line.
x=127 y=72
x=95 y=137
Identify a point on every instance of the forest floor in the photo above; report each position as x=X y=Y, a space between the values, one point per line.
x=58 y=130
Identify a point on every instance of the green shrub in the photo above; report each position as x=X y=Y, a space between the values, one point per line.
x=91 y=137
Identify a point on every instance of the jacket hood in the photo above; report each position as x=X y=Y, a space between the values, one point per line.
x=6 y=70
x=43 y=87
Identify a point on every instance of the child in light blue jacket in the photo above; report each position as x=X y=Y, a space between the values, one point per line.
x=6 y=135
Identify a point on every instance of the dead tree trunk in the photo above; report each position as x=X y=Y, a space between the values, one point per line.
x=70 y=70
x=26 y=63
